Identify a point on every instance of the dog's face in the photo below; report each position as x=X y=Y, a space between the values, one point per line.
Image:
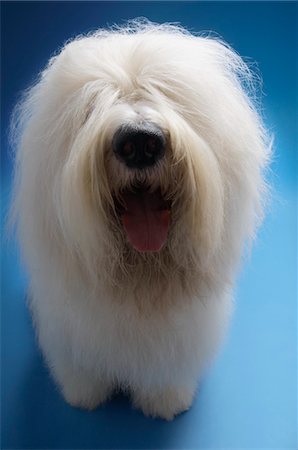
x=153 y=140
x=150 y=175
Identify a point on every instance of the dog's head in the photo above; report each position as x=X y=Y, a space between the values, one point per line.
x=152 y=150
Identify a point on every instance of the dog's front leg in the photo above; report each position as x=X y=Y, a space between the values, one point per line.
x=81 y=389
x=165 y=402
x=80 y=385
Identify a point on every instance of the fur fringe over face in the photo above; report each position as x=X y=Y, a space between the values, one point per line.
x=108 y=314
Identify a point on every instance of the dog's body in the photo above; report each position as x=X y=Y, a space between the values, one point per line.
x=139 y=176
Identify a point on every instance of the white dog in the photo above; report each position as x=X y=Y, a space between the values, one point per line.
x=139 y=175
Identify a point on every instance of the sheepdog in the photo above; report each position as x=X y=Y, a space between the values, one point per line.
x=139 y=176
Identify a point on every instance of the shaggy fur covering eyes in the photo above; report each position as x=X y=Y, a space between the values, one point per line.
x=139 y=176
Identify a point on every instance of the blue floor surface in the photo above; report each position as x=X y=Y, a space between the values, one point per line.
x=248 y=399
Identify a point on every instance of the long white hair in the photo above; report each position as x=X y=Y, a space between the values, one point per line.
x=198 y=91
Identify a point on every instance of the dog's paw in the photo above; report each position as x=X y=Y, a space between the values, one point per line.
x=84 y=395
x=165 y=404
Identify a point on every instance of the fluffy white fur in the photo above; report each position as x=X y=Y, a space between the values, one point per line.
x=107 y=316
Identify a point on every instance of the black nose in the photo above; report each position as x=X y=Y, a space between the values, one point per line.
x=139 y=146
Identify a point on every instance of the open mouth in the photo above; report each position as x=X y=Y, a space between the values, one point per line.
x=145 y=217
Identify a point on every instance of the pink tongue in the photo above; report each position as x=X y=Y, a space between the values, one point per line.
x=146 y=220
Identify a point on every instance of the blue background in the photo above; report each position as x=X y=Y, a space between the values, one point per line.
x=248 y=399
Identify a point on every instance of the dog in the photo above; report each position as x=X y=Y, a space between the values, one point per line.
x=139 y=178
